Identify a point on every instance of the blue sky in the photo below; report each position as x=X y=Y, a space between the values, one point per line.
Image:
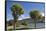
x=27 y=6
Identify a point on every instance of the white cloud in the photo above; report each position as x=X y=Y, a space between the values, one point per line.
x=23 y=17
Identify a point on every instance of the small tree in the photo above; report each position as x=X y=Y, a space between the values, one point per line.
x=17 y=10
x=34 y=15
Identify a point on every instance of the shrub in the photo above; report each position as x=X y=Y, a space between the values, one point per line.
x=24 y=23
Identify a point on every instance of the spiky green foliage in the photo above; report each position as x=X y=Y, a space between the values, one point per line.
x=17 y=10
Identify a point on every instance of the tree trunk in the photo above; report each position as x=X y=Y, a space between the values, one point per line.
x=15 y=20
x=13 y=25
x=35 y=23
